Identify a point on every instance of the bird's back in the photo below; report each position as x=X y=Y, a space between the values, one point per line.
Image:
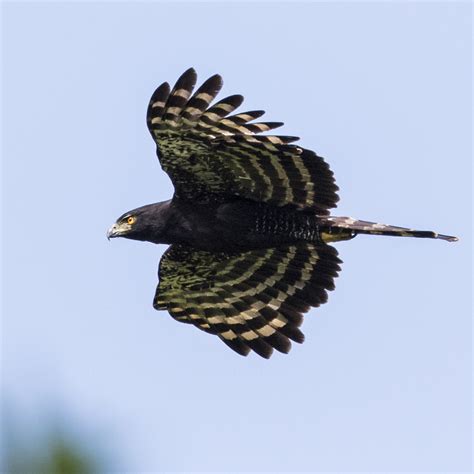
x=241 y=224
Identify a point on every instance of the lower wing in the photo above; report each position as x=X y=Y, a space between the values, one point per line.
x=252 y=300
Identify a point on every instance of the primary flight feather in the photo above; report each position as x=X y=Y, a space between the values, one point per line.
x=248 y=225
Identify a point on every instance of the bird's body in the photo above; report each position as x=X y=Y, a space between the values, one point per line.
x=249 y=223
x=233 y=225
x=241 y=224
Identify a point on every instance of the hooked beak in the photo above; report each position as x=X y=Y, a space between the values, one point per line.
x=114 y=231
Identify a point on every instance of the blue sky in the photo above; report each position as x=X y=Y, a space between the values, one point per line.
x=383 y=91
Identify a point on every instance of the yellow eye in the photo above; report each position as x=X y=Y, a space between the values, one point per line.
x=131 y=220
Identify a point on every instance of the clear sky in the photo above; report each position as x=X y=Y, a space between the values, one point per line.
x=383 y=91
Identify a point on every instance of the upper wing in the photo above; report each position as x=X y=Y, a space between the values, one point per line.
x=212 y=156
x=251 y=300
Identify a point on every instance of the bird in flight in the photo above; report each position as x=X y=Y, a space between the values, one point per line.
x=249 y=224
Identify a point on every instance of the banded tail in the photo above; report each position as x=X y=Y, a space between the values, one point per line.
x=344 y=228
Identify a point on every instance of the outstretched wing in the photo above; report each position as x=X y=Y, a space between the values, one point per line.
x=251 y=300
x=211 y=156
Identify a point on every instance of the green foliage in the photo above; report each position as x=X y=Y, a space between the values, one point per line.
x=56 y=455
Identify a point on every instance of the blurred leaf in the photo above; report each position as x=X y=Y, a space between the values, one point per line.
x=48 y=451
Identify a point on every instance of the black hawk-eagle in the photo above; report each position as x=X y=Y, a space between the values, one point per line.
x=248 y=226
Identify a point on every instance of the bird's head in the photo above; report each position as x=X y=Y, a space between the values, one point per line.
x=144 y=223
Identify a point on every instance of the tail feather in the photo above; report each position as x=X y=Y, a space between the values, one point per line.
x=347 y=227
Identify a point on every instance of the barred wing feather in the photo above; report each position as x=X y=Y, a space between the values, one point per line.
x=211 y=155
x=252 y=300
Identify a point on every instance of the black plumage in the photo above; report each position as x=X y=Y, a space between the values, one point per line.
x=248 y=225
